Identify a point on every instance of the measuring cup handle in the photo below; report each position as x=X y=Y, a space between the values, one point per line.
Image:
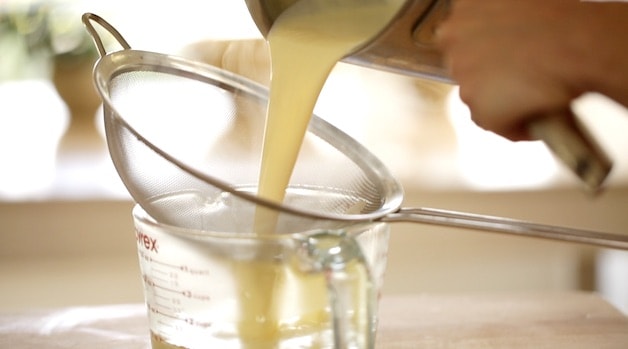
x=88 y=18
x=351 y=291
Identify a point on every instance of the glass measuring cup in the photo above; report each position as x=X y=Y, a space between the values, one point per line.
x=222 y=287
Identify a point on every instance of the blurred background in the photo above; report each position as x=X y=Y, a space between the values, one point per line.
x=66 y=235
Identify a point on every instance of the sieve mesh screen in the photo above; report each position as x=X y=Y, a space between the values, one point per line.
x=177 y=130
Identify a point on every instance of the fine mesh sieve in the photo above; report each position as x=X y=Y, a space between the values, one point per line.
x=186 y=140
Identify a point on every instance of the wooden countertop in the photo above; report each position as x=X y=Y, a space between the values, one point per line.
x=561 y=320
x=556 y=321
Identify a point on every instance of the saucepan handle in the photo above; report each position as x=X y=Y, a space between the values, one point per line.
x=88 y=18
x=507 y=226
x=571 y=142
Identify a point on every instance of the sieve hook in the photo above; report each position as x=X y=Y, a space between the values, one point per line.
x=88 y=18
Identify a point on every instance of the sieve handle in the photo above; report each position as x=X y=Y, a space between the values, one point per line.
x=507 y=226
x=88 y=18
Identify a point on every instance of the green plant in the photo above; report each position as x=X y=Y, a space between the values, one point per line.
x=33 y=36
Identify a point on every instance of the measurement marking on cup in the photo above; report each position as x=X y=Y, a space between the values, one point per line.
x=187 y=269
x=162 y=300
x=163 y=303
x=186 y=293
x=178 y=267
x=186 y=320
x=157 y=311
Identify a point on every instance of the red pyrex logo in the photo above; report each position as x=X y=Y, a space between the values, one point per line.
x=149 y=243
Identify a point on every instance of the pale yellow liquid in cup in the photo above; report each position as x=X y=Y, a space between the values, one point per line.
x=306 y=42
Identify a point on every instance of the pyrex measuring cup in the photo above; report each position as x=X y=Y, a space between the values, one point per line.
x=225 y=288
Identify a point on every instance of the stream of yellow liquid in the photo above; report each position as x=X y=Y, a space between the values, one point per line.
x=306 y=42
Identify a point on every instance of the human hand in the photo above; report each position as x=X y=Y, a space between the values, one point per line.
x=519 y=60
